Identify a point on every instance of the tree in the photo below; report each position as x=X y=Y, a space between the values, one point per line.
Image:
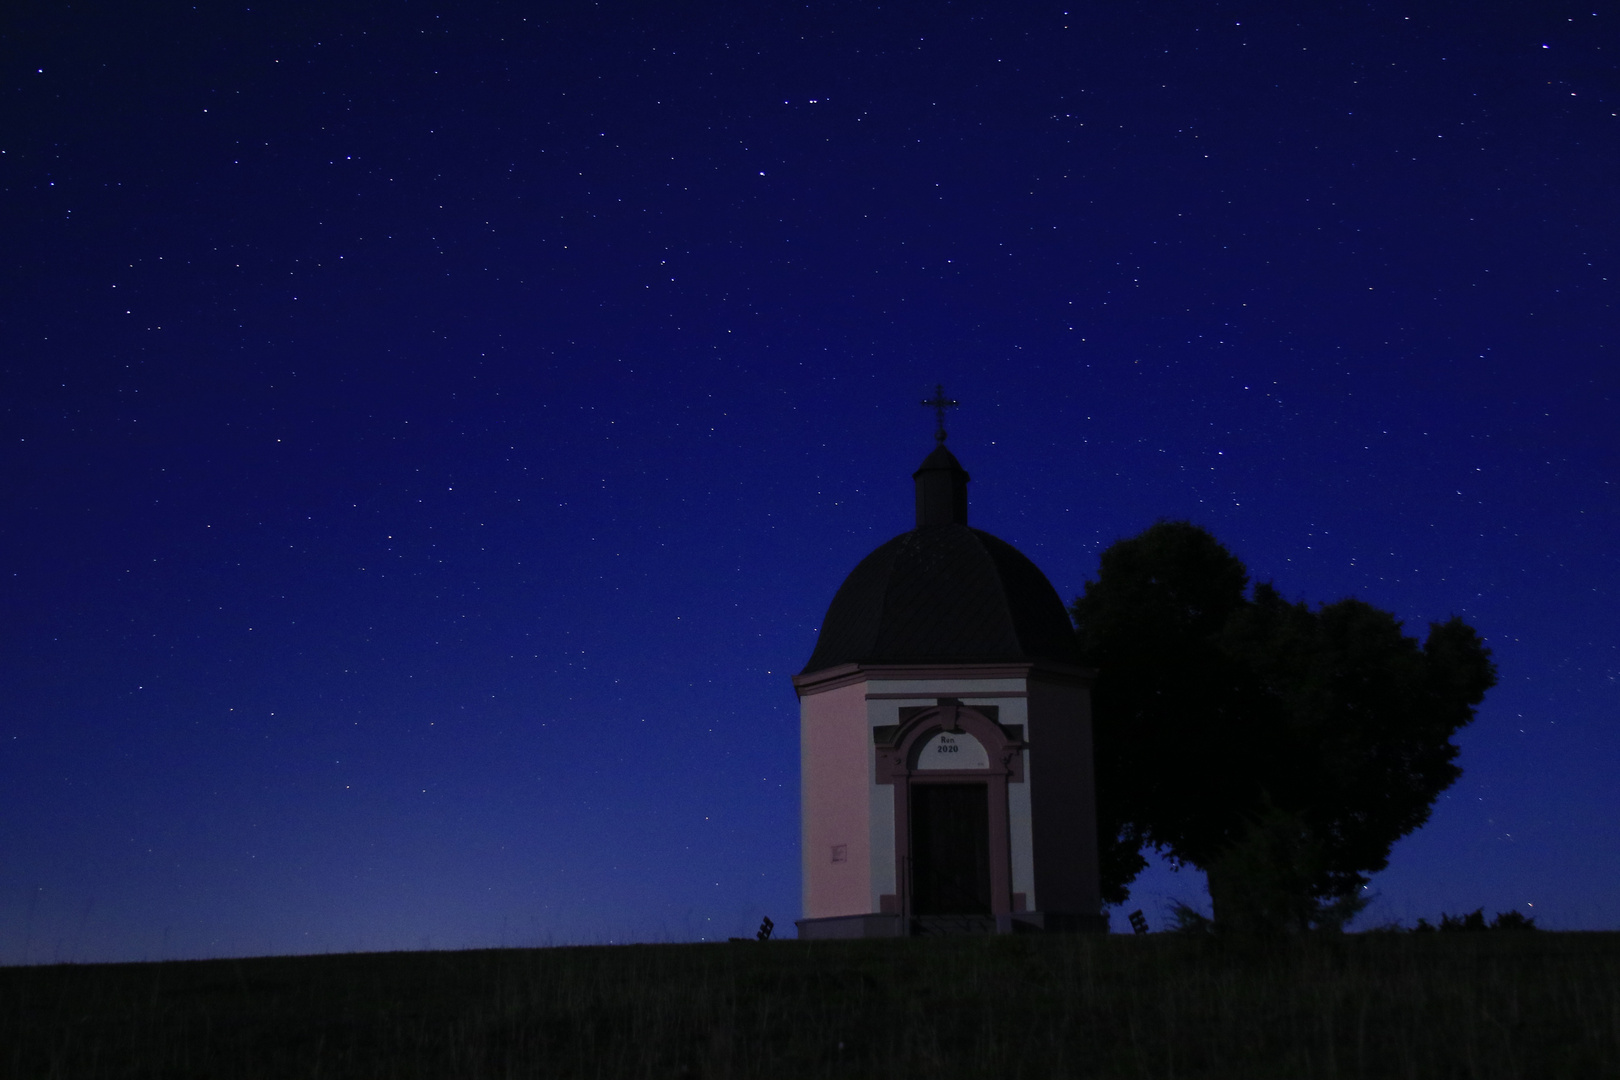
x=1281 y=749
x=1167 y=700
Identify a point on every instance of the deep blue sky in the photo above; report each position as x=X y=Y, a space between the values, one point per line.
x=431 y=434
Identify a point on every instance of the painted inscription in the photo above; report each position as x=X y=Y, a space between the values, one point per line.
x=953 y=750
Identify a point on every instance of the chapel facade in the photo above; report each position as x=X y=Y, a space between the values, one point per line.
x=945 y=740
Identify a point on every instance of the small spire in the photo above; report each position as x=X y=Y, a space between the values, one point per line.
x=939 y=403
x=941 y=489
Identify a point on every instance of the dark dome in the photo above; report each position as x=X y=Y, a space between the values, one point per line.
x=944 y=594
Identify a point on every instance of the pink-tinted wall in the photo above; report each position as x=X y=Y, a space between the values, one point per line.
x=835 y=765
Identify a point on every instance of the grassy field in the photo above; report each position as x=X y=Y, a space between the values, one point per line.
x=1374 y=1005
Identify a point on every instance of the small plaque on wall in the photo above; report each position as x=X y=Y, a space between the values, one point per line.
x=953 y=750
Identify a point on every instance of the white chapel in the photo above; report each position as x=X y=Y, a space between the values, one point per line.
x=945 y=740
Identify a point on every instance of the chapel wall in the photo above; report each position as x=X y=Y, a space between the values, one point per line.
x=1062 y=790
x=835 y=751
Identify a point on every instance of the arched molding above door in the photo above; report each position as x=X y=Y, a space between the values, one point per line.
x=898 y=748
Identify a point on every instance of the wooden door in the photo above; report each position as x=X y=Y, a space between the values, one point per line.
x=950 y=849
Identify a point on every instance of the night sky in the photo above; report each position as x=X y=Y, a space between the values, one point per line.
x=430 y=436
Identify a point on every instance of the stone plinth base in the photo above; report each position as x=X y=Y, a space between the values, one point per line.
x=875 y=926
x=850 y=926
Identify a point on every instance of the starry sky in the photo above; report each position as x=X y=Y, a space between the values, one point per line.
x=430 y=435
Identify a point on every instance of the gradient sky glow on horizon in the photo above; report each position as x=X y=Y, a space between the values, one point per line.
x=431 y=435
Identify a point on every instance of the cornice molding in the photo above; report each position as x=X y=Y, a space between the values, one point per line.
x=819 y=682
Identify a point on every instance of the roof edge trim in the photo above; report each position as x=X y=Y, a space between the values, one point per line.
x=817 y=682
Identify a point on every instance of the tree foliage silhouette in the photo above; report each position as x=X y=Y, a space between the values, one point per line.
x=1281 y=748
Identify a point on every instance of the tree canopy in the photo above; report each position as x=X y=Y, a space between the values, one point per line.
x=1281 y=748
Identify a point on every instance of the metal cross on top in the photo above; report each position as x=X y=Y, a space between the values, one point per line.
x=939 y=403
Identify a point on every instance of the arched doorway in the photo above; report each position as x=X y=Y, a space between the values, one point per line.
x=950 y=766
x=950 y=849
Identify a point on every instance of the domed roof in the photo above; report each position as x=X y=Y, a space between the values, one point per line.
x=944 y=593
